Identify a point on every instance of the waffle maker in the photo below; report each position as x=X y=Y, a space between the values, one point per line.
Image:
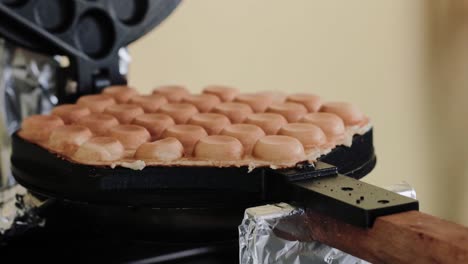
x=202 y=203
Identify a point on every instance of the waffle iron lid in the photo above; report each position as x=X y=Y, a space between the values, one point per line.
x=89 y=33
x=85 y=28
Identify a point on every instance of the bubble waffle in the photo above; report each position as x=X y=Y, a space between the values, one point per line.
x=220 y=127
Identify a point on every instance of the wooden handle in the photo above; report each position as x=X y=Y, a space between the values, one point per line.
x=409 y=237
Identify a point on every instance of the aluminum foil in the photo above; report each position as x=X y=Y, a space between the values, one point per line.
x=263 y=231
x=27 y=86
x=19 y=212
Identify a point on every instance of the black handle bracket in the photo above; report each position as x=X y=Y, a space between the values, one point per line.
x=305 y=171
x=355 y=202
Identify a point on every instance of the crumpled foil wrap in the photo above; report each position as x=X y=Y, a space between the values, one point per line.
x=273 y=234
x=19 y=212
x=27 y=86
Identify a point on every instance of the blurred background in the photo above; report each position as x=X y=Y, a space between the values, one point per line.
x=405 y=63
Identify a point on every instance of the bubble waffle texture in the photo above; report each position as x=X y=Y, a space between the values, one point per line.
x=211 y=122
x=98 y=123
x=131 y=136
x=70 y=113
x=67 y=139
x=38 y=128
x=247 y=134
x=291 y=111
x=155 y=123
x=96 y=103
x=168 y=149
x=120 y=93
x=225 y=93
x=310 y=101
x=258 y=102
x=171 y=127
x=100 y=149
x=149 y=103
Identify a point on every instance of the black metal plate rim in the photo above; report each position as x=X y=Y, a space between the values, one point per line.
x=45 y=173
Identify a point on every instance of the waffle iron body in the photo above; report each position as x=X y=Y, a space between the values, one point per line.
x=161 y=201
x=157 y=202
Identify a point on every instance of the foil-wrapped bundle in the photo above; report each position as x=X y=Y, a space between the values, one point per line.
x=276 y=233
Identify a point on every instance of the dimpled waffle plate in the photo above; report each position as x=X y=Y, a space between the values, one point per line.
x=219 y=127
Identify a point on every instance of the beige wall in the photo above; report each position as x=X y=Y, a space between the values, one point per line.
x=382 y=55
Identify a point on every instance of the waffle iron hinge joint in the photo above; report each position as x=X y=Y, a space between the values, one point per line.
x=326 y=191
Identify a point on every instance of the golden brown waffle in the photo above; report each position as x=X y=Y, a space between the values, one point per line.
x=172 y=127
